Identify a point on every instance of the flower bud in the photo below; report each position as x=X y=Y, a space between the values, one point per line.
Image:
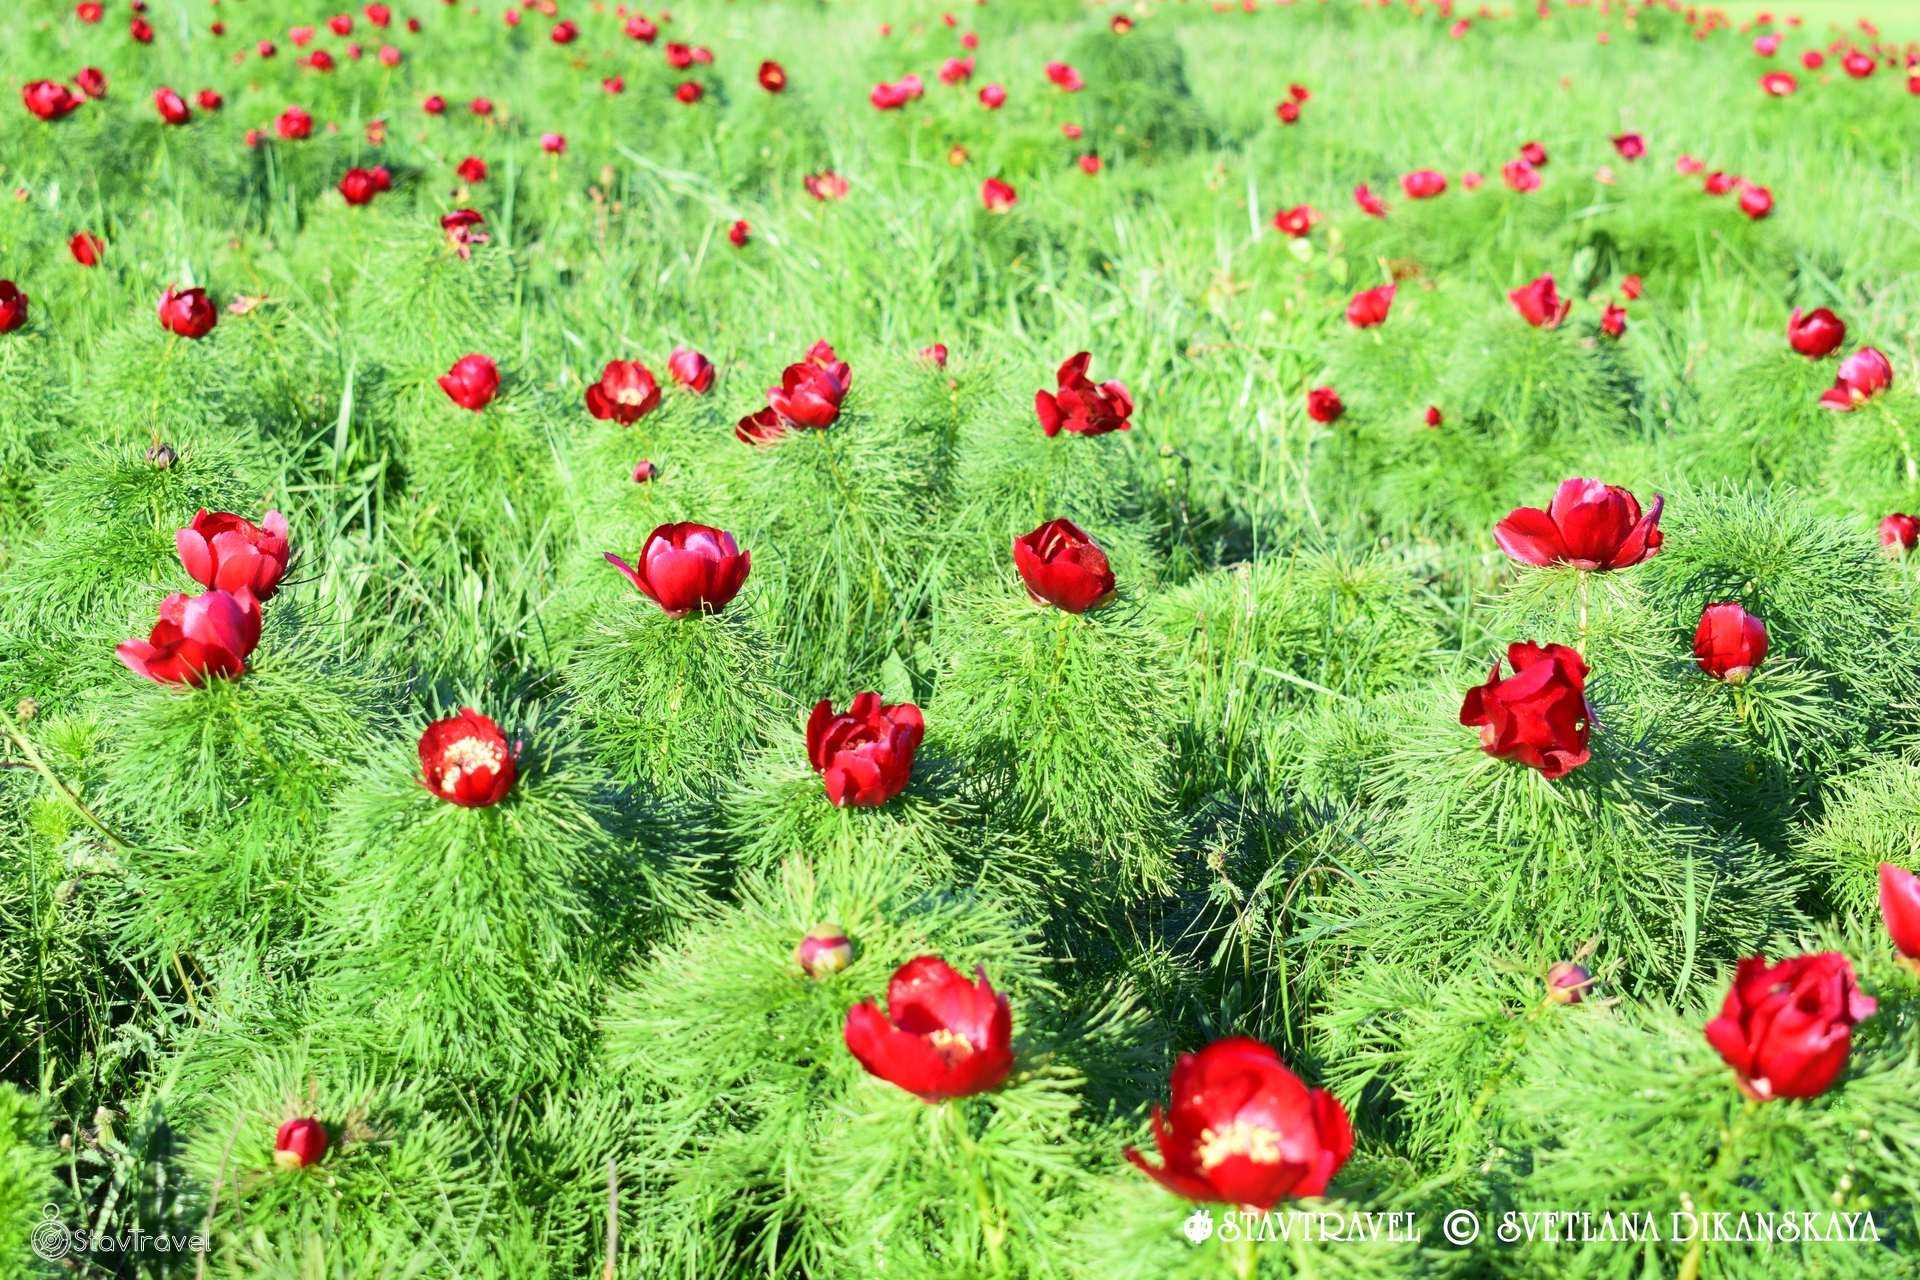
x=299 y=1143
x=162 y=456
x=825 y=949
x=1567 y=982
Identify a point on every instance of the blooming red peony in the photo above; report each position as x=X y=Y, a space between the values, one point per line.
x=941 y=1036
x=1080 y=408
x=865 y=753
x=196 y=637
x=1062 y=567
x=625 y=393
x=1785 y=1029
x=1815 y=333
x=472 y=382
x=187 y=312
x=1539 y=303
x=220 y=549
x=1900 y=911
x=683 y=567
x=1588 y=525
x=1538 y=715
x=465 y=760
x=1241 y=1129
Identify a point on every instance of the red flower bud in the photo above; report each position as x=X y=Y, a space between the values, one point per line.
x=1588 y=525
x=997 y=196
x=220 y=549
x=865 y=753
x=1324 y=405
x=941 y=1036
x=1900 y=531
x=690 y=369
x=1062 y=567
x=625 y=393
x=1567 y=983
x=1538 y=715
x=86 y=248
x=739 y=233
x=773 y=76
x=472 y=382
x=188 y=312
x=465 y=760
x=824 y=950
x=196 y=637
x=1730 y=642
x=1786 y=1029
x=171 y=106
x=684 y=567
x=1241 y=1129
x=299 y=1143
x=1631 y=146
x=1080 y=408
x=1815 y=333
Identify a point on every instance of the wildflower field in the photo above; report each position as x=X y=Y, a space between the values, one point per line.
x=1042 y=639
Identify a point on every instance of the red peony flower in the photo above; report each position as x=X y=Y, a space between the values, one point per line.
x=13 y=306
x=1080 y=408
x=739 y=233
x=1901 y=531
x=1863 y=375
x=1815 y=334
x=690 y=369
x=1297 y=221
x=1423 y=184
x=293 y=124
x=935 y=354
x=625 y=393
x=472 y=169
x=1534 y=154
x=299 y=1143
x=1241 y=1129
x=196 y=637
x=1630 y=146
x=1539 y=303
x=1370 y=306
x=824 y=949
x=1613 y=321
x=171 y=106
x=1062 y=76
x=825 y=185
x=1538 y=715
x=1785 y=1029
x=773 y=76
x=86 y=248
x=49 y=99
x=1369 y=203
x=941 y=1036
x=992 y=96
x=465 y=760
x=472 y=382
x=1900 y=910
x=1729 y=642
x=1062 y=567
x=1778 y=84
x=188 y=312
x=230 y=552
x=865 y=753
x=1755 y=200
x=359 y=186
x=684 y=567
x=997 y=196
x=1324 y=405
x=1588 y=525
x=810 y=391
x=461 y=227
x=91 y=81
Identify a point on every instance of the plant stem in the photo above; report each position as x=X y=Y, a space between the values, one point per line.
x=40 y=766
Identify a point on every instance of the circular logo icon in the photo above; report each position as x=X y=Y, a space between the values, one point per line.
x=1199 y=1227
x=1462 y=1226
x=51 y=1239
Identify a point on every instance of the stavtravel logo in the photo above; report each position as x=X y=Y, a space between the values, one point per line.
x=53 y=1240
x=1462 y=1228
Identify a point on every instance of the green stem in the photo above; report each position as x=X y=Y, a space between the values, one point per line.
x=1726 y=1162
x=40 y=766
x=993 y=1232
x=1246 y=1262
